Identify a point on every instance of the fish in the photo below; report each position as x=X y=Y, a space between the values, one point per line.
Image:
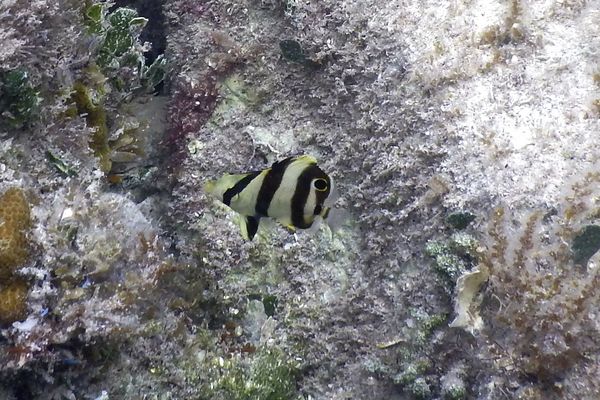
x=294 y=191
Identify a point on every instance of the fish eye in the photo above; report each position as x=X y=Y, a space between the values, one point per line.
x=320 y=184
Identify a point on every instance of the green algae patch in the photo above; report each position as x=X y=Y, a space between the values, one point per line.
x=292 y=51
x=119 y=34
x=18 y=99
x=270 y=375
x=585 y=244
x=460 y=220
x=62 y=167
x=453 y=257
x=95 y=115
x=92 y=16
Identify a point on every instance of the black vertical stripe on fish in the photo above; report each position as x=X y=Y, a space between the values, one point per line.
x=269 y=186
x=303 y=186
x=251 y=227
x=238 y=187
x=318 y=209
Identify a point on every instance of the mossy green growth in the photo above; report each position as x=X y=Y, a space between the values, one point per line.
x=410 y=366
x=425 y=326
x=269 y=375
x=420 y=389
x=410 y=373
x=455 y=393
x=453 y=257
x=585 y=244
x=95 y=115
x=432 y=323
x=272 y=376
x=18 y=99
x=413 y=381
x=93 y=15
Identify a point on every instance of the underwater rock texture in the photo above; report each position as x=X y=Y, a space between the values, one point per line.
x=141 y=285
x=417 y=110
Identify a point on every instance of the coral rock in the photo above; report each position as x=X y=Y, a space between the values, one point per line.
x=14 y=220
x=13 y=301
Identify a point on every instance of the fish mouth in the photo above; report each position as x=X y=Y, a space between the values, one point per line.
x=332 y=198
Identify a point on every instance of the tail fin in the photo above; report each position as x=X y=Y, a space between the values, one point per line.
x=209 y=187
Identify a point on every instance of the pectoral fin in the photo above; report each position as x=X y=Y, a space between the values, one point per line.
x=290 y=228
x=315 y=225
x=249 y=227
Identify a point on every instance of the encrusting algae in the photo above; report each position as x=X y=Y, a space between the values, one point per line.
x=15 y=219
x=97 y=119
x=13 y=300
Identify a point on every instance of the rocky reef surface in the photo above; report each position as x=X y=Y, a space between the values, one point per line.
x=462 y=137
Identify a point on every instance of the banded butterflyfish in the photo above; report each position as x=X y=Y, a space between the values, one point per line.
x=294 y=191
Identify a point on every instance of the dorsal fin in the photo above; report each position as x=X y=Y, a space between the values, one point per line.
x=281 y=164
x=277 y=165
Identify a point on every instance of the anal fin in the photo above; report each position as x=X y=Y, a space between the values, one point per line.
x=249 y=227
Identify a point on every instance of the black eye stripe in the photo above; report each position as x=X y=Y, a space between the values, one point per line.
x=305 y=185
